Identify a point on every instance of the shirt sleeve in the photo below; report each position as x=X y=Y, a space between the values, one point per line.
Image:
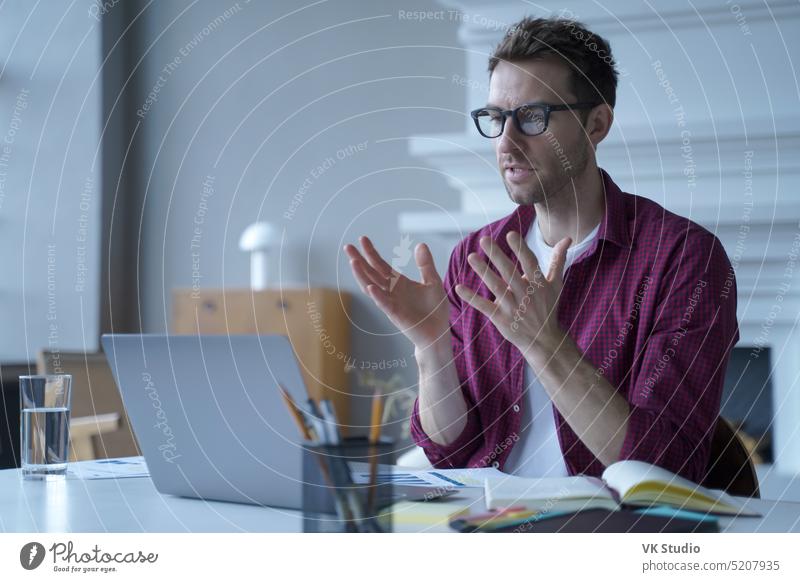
x=457 y=453
x=675 y=398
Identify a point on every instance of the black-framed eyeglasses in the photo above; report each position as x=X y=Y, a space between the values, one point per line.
x=531 y=118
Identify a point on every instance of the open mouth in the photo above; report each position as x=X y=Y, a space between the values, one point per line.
x=517 y=173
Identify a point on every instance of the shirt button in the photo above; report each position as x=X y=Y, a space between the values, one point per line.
x=516 y=408
x=496 y=465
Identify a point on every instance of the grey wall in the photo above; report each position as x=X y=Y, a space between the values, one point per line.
x=49 y=178
x=255 y=101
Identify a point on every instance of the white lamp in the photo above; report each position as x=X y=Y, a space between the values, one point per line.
x=258 y=239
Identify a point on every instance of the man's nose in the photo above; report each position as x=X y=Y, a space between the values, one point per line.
x=511 y=140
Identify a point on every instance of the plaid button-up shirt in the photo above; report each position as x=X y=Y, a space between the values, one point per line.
x=651 y=304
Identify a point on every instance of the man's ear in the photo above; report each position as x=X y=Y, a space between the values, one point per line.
x=598 y=123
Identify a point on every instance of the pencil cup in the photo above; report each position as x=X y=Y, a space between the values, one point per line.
x=342 y=486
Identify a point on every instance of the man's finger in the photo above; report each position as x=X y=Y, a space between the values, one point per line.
x=527 y=260
x=504 y=265
x=556 y=274
x=374 y=275
x=427 y=269
x=482 y=304
x=496 y=285
x=353 y=252
x=375 y=260
x=361 y=270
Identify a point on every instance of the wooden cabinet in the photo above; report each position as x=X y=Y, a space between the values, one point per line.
x=315 y=320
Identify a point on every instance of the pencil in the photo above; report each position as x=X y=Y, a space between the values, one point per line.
x=374 y=437
x=377 y=413
x=341 y=507
x=295 y=412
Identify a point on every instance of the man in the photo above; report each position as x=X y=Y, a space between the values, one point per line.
x=589 y=325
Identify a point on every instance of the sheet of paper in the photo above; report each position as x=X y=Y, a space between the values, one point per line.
x=470 y=477
x=126 y=467
x=424 y=478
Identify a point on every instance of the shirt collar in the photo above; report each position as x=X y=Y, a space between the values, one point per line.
x=613 y=228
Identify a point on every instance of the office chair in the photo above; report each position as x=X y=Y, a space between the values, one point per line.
x=730 y=466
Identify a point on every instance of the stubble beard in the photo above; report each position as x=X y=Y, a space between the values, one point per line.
x=549 y=187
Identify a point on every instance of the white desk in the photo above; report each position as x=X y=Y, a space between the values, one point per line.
x=134 y=505
x=125 y=505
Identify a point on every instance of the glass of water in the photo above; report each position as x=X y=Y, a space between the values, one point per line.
x=44 y=425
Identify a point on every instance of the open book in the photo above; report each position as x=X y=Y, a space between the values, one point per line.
x=624 y=483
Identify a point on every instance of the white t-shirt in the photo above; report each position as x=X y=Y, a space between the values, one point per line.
x=538 y=453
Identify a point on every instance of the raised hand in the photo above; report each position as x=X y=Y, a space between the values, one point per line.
x=525 y=305
x=420 y=310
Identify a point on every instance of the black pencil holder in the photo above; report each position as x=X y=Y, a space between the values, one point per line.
x=340 y=493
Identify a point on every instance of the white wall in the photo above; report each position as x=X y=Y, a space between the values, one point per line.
x=49 y=177
x=260 y=103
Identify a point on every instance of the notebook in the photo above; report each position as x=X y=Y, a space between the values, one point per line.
x=428 y=516
x=629 y=483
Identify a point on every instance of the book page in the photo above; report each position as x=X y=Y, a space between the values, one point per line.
x=625 y=475
x=510 y=490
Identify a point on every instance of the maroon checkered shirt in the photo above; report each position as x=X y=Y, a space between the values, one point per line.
x=651 y=304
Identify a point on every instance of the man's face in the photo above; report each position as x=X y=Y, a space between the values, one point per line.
x=537 y=168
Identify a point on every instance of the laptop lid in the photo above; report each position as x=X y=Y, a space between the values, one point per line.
x=208 y=415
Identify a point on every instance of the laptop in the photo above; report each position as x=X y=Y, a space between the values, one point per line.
x=208 y=416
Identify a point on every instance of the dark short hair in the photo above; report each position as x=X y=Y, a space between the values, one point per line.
x=594 y=74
